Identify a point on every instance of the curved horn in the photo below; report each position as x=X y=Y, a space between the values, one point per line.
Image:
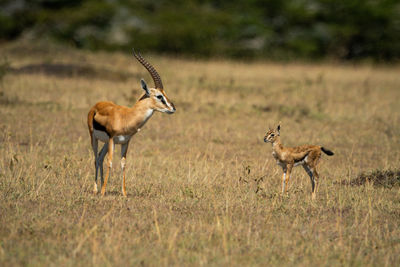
x=154 y=74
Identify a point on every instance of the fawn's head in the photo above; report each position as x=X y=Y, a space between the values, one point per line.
x=272 y=135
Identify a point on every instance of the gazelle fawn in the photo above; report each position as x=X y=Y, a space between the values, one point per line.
x=289 y=157
x=114 y=124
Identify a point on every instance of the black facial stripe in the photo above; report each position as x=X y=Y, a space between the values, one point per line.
x=162 y=99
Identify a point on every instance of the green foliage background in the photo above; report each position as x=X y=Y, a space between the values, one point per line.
x=311 y=29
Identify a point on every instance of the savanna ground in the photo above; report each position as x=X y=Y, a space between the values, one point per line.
x=203 y=188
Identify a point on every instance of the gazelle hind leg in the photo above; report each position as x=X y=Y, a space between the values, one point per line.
x=109 y=164
x=124 y=149
x=309 y=172
x=102 y=154
x=316 y=180
x=96 y=163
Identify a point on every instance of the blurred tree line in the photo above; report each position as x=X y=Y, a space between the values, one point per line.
x=312 y=29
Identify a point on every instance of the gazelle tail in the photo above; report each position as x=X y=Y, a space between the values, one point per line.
x=327 y=151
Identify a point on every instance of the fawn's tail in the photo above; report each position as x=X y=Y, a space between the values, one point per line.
x=327 y=151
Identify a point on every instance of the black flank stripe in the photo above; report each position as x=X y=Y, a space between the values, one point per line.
x=301 y=158
x=99 y=127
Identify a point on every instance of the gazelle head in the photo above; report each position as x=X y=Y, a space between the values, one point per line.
x=272 y=134
x=159 y=100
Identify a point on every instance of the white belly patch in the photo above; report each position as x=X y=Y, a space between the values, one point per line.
x=103 y=136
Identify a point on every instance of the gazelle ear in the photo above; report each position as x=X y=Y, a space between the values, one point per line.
x=144 y=86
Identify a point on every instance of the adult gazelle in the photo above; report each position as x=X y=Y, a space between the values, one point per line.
x=115 y=124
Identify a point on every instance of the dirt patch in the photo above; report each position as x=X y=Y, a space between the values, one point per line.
x=385 y=178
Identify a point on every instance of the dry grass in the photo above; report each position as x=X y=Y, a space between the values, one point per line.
x=202 y=186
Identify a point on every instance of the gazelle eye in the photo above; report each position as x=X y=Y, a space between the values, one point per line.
x=159 y=97
x=272 y=135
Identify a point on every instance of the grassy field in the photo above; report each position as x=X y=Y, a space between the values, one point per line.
x=203 y=188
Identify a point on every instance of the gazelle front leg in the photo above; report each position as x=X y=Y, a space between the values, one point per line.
x=284 y=169
x=289 y=172
x=124 y=149
x=109 y=164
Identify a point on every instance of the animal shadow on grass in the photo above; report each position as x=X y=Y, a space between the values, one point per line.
x=383 y=178
x=109 y=193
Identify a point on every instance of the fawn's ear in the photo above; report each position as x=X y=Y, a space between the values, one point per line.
x=278 y=129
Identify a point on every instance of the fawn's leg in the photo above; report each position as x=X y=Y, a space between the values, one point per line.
x=289 y=172
x=316 y=178
x=284 y=169
x=109 y=164
x=309 y=172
